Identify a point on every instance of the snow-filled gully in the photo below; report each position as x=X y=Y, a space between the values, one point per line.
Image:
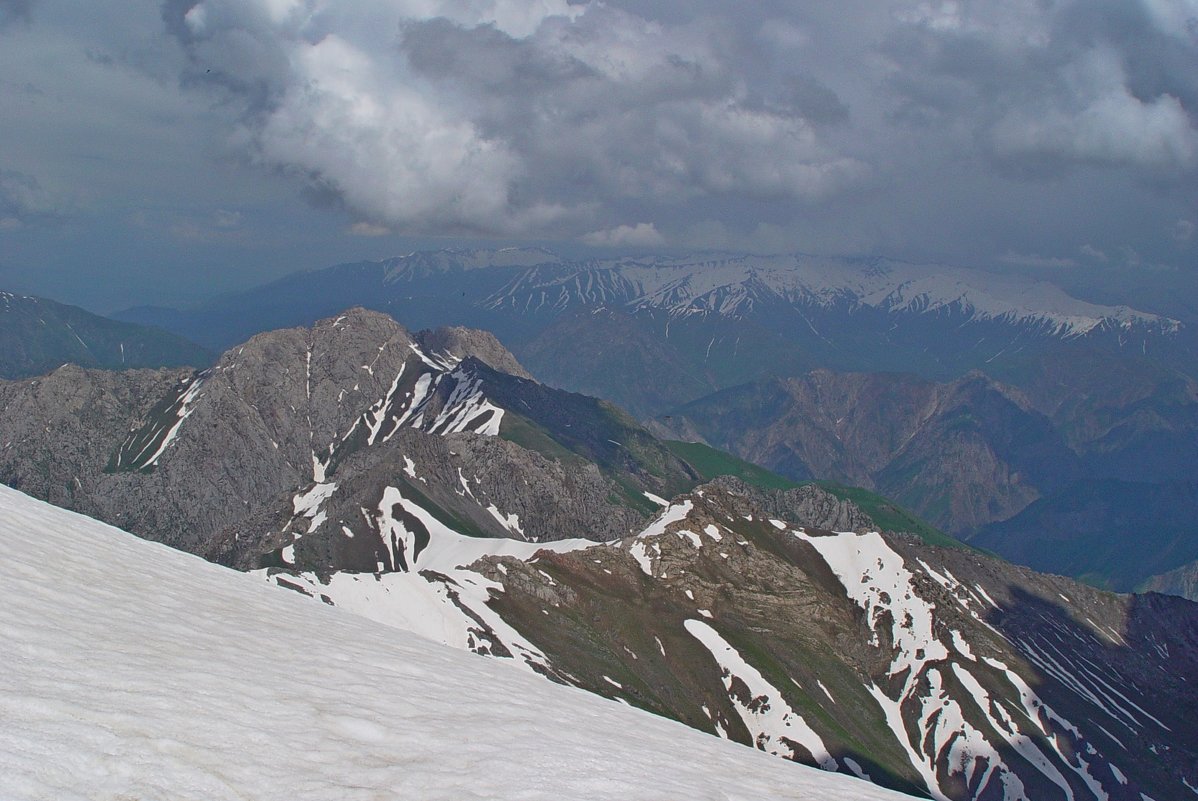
x=942 y=740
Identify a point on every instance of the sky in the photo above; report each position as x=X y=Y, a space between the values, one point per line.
x=162 y=152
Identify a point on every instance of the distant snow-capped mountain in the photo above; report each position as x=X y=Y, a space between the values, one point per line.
x=737 y=285
x=653 y=333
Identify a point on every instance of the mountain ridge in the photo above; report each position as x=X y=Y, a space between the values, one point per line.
x=38 y=335
x=138 y=646
x=357 y=465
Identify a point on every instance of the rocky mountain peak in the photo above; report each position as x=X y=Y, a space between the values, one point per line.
x=463 y=343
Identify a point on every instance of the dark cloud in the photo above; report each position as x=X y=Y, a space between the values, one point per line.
x=814 y=101
x=1098 y=83
x=487 y=59
x=15 y=11
x=1014 y=135
x=23 y=201
x=520 y=121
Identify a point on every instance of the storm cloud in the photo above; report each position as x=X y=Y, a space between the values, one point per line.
x=13 y=10
x=567 y=120
x=22 y=200
x=1006 y=135
x=502 y=123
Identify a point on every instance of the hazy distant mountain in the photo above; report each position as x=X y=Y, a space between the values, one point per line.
x=1181 y=581
x=37 y=335
x=425 y=290
x=961 y=454
x=1100 y=492
x=708 y=322
x=1113 y=533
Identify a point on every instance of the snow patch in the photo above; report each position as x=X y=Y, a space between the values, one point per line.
x=771 y=722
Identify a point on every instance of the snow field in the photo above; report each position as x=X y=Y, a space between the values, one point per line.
x=133 y=671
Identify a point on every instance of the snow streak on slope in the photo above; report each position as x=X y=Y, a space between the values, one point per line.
x=445 y=548
x=143 y=447
x=449 y=608
x=424 y=585
x=443 y=398
x=939 y=730
x=134 y=671
x=643 y=549
x=774 y=726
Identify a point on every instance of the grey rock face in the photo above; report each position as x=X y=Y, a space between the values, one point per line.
x=807 y=505
x=211 y=462
x=59 y=430
x=269 y=416
x=473 y=484
x=463 y=343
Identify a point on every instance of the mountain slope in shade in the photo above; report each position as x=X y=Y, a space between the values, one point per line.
x=1112 y=533
x=134 y=671
x=961 y=454
x=38 y=335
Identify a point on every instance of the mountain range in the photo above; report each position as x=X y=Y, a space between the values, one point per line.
x=425 y=481
x=38 y=335
x=966 y=396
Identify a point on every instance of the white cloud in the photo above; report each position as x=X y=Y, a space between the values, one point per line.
x=1114 y=129
x=23 y=199
x=639 y=235
x=369 y=229
x=503 y=118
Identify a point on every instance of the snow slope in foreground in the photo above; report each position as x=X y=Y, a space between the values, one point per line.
x=132 y=671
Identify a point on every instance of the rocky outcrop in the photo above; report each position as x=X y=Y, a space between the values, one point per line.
x=814 y=506
x=463 y=343
x=1181 y=581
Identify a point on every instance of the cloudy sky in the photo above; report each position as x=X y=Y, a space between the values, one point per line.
x=164 y=151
